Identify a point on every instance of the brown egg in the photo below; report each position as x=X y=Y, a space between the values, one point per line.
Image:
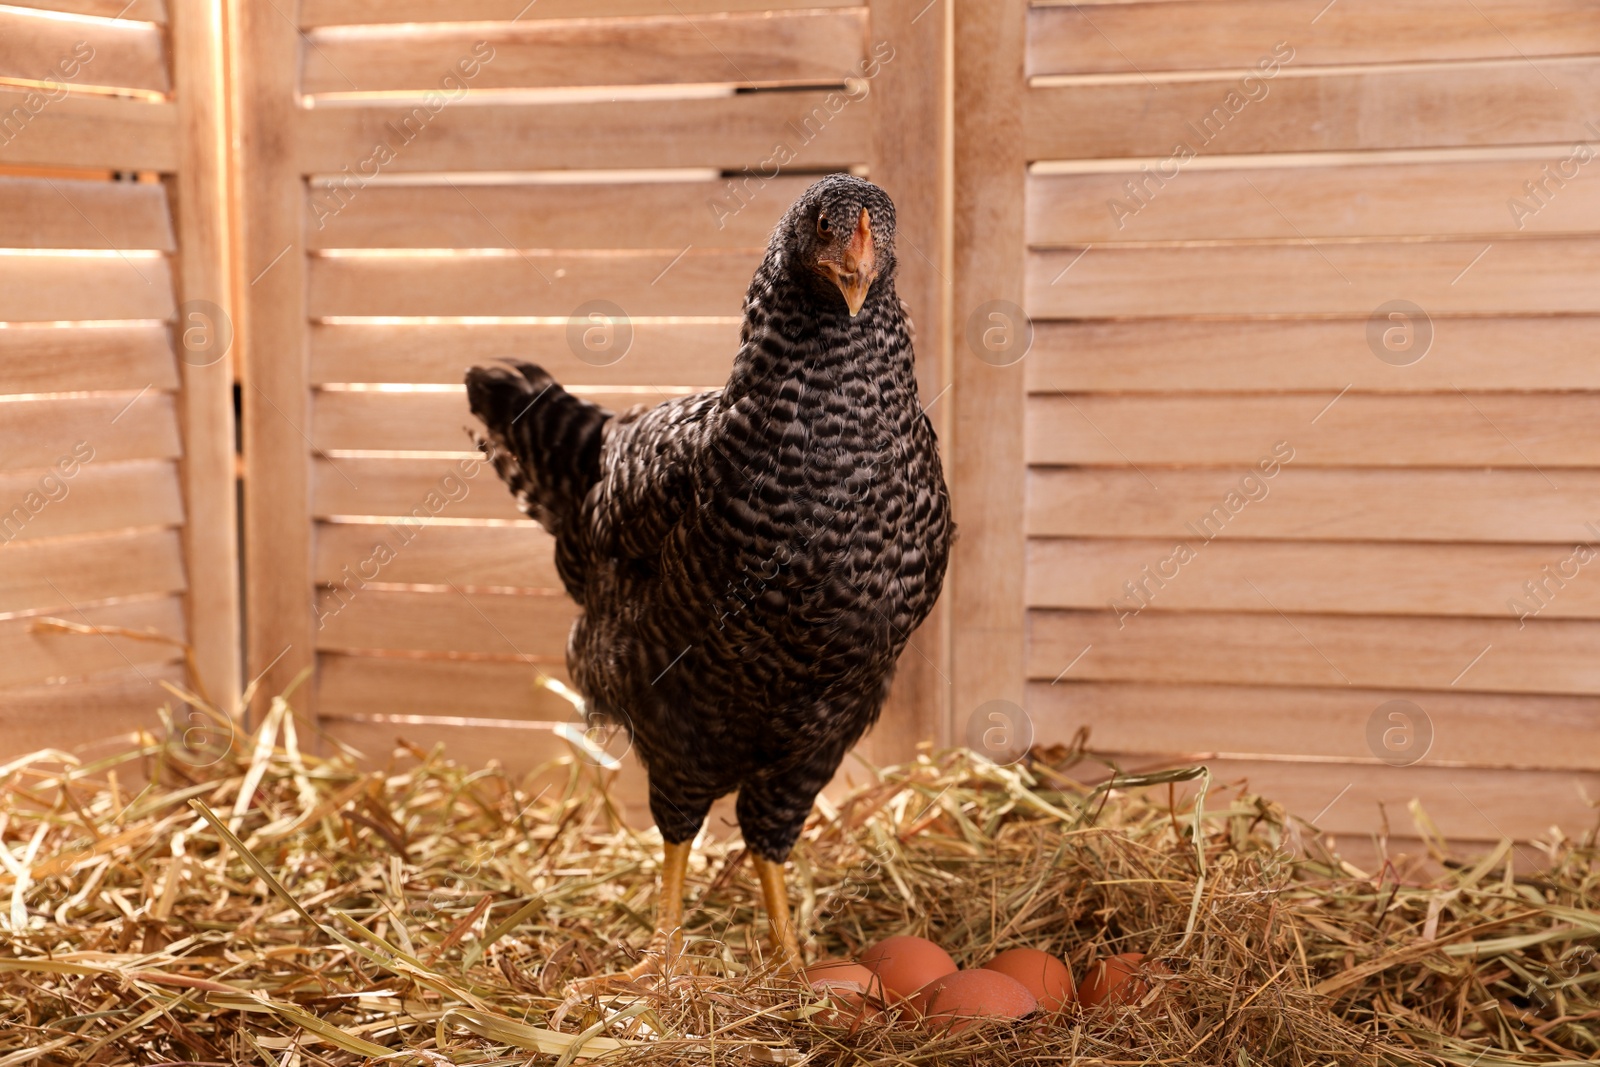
x=1047 y=978
x=856 y=989
x=961 y=999
x=1118 y=979
x=906 y=964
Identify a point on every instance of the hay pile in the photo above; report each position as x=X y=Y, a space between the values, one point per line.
x=279 y=909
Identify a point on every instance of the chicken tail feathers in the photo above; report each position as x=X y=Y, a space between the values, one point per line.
x=543 y=441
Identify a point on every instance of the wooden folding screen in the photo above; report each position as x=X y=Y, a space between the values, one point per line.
x=117 y=493
x=1309 y=407
x=422 y=195
x=1285 y=433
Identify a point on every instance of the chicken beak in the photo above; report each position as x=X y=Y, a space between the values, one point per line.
x=860 y=267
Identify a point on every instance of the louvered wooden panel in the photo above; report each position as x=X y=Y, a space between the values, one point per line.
x=1252 y=521
x=116 y=440
x=495 y=217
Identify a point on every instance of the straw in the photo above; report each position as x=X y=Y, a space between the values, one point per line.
x=277 y=908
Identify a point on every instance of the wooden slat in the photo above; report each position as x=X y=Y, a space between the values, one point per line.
x=53 y=359
x=764 y=48
x=517 y=750
x=731 y=132
x=911 y=161
x=122 y=54
x=660 y=214
x=264 y=73
x=56 y=573
x=531 y=283
x=426 y=353
x=497 y=624
x=518 y=556
x=1150 y=37
x=1548 y=656
x=33 y=658
x=34 y=433
x=1505 y=102
x=136 y=10
x=1466 y=805
x=85 y=715
x=89 y=131
x=1336 y=577
x=1485 y=729
x=202 y=194
x=1363 y=505
x=1389 y=200
x=101 y=496
x=49 y=288
x=398 y=421
x=985 y=447
x=339 y=12
x=1543 y=430
x=1381 y=561
x=1321 y=355
x=397 y=487
x=430 y=421
x=1537 y=275
x=51 y=213
x=354 y=686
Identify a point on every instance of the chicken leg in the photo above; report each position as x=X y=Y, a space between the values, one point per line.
x=666 y=944
x=775 y=895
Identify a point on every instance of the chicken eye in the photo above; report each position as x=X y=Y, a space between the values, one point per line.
x=822 y=225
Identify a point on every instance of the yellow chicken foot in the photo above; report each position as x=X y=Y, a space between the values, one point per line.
x=775 y=895
x=666 y=945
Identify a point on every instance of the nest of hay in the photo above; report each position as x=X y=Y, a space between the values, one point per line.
x=280 y=909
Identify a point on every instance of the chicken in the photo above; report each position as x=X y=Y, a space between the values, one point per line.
x=750 y=561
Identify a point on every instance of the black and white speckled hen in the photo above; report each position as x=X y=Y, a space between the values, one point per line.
x=750 y=561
